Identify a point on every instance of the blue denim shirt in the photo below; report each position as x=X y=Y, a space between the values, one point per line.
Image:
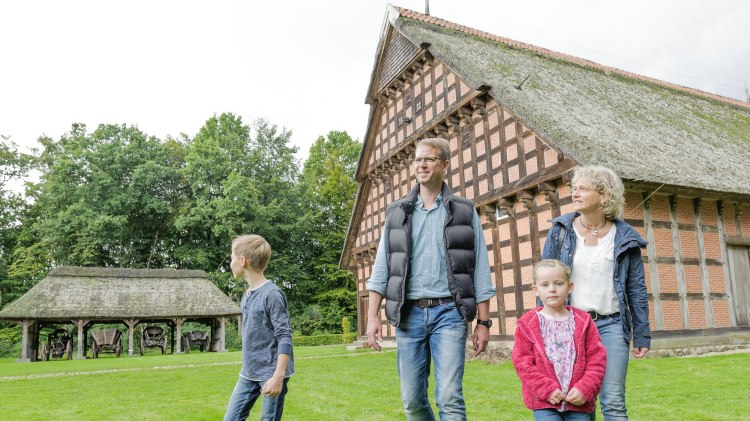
x=629 y=278
x=428 y=275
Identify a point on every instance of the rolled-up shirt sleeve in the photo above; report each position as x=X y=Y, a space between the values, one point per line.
x=282 y=331
x=379 y=278
x=483 y=289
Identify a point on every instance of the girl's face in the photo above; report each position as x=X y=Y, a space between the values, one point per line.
x=552 y=286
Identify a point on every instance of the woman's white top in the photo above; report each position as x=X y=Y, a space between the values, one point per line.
x=593 y=275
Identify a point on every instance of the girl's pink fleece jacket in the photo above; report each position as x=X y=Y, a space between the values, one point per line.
x=538 y=379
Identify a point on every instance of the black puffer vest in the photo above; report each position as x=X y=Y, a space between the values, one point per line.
x=460 y=255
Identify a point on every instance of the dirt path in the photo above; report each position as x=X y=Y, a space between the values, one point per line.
x=159 y=367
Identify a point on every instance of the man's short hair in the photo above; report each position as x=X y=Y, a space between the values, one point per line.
x=254 y=248
x=438 y=143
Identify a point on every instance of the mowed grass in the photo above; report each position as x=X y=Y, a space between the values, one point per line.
x=334 y=384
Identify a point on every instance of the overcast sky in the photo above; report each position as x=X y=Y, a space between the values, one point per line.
x=167 y=66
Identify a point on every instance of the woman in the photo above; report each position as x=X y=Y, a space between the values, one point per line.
x=604 y=254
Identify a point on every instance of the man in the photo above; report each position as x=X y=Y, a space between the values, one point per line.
x=432 y=269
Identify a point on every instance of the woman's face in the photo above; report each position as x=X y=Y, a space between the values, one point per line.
x=586 y=199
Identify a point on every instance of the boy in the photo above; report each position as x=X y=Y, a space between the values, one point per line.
x=267 y=360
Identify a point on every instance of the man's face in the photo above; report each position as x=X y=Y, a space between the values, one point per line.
x=429 y=169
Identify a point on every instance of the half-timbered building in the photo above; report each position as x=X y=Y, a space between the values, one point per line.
x=518 y=119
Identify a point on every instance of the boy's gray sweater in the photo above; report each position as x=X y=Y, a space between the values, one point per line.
x=266 y=332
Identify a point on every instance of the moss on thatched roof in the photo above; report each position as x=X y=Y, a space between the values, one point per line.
x=110 y=293
x=643 y=129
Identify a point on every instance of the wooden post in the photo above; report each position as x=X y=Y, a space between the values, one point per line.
x=720 y=207
x=679 y=267
x=222 y=336
x=653 y=264
x=131 y=326
x=705 y=285
x=178 y=324
x=81 y=336
x=29 y=330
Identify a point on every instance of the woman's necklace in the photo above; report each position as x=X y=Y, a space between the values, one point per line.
x=594 y=231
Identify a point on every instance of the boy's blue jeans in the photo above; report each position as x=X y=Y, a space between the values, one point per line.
x=246 y=392
x=432 y=333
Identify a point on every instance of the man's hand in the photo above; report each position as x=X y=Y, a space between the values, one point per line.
x=374 y=333
x=480 y=337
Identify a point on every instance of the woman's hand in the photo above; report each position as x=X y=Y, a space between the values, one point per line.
x=639 y=352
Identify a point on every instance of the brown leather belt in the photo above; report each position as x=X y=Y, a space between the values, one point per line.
x=430 y=302
x=596 y=316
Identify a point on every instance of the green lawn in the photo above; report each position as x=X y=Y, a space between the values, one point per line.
x=334 y=384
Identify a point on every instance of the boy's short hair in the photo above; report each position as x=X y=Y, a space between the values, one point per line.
x=551 y=263
x=254 y=248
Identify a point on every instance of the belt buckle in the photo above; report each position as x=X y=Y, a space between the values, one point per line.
x=423 y=302
x=594 y=315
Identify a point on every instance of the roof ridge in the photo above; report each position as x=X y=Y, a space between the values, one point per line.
x=411 y=14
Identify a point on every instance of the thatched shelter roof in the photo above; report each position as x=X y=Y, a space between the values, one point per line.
x=111 y=294
x=645 y=129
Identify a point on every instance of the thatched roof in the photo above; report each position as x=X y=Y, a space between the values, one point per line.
x=643 y=128
x=113 y=294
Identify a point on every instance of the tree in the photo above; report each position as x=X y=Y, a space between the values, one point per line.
x=105 y=198
x=14 y=166
x=328 y=188
x=241 y=181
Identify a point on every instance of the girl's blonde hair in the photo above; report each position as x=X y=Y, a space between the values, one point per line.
x=551 y=263
x=605 y=181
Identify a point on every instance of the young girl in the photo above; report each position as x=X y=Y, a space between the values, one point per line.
x=557 y=351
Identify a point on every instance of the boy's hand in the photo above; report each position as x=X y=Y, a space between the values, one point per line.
x=575 y=397
x=273 y=386
x=556 y=397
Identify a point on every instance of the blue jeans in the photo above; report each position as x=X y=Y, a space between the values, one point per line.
x=432 y=333
x=246 y=392
x=612 y=396
x=554 y=415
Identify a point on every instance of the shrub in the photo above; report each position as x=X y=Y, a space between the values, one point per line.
x=330 y=339
x=10 y=342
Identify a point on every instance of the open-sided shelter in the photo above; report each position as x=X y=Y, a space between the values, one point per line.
x=518 y=119
x=86 y=296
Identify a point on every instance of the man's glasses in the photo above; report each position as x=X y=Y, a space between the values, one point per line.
x=427 y=159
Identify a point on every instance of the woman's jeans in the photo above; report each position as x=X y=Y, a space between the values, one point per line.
x=432 y=333
x=612 y=396
x=246 y=392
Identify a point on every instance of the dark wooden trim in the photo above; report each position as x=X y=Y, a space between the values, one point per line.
x=516 y=264
x=665 y=334
x=738 y=240
x=497 y=268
